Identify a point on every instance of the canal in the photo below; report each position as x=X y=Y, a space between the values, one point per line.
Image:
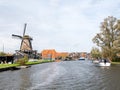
x=66 y=75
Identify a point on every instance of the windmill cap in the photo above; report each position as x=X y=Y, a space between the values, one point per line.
x=27 y=37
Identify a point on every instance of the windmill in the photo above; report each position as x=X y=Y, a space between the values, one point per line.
x=26 y=44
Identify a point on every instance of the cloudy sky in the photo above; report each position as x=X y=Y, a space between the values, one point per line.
x=64 y=25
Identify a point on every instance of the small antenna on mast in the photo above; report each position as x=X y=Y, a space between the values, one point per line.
x=3 y=47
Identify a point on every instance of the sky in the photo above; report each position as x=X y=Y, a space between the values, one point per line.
x=63 y=25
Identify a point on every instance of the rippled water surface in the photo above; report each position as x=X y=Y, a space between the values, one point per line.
x=67 y=75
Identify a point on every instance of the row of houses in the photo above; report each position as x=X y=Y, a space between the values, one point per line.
x=53 y=55
x=48 y=54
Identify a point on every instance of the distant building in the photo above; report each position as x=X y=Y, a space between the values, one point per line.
x=51 y=54
x=77 y=55
x=62 y=55
x=8 y=58
x=83 y=54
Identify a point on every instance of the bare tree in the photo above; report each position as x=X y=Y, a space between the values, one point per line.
x=108 y=36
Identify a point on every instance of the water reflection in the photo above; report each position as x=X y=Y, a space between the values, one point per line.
x=105 y=67
x=25 y=80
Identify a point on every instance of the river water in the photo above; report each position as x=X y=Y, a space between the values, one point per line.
x=66 y=75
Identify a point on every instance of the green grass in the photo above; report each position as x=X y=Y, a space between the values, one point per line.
x=8 y=65
x=32 y=63
x=115 y=62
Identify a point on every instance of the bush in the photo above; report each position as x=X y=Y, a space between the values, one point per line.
x=117 y=59
x=23 y=60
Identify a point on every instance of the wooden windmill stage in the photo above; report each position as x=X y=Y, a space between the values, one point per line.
x=26 y=45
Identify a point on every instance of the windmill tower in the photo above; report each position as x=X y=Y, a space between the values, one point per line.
x=26 y=44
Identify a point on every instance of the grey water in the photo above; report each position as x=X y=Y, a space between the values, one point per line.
x=66 y=75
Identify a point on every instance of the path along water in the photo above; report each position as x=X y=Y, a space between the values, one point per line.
x=66 y=75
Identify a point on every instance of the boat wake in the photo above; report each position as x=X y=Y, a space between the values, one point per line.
x=46 y=76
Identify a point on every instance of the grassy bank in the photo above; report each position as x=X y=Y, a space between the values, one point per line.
x=2 y=66
x=115 y=62
x=8 y=65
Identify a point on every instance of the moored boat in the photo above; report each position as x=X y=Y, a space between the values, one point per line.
x=104 y=63
x=81 y=58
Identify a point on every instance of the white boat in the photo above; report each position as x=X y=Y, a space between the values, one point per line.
x=81 y=58
x=104 y=64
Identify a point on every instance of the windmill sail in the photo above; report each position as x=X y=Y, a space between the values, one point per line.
x=24 y=29
x=17 y=36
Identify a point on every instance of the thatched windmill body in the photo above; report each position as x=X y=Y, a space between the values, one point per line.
x=26 y=43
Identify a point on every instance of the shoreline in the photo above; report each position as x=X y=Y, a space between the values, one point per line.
x=12 y=67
